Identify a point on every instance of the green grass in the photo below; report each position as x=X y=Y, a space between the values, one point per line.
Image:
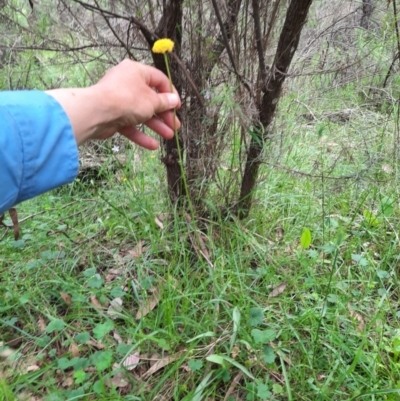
x=331 y=334
x=243 y=313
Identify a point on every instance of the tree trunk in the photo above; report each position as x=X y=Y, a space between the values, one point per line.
x=272 y=87
x=169 y=26
x=203 y=124
x=367 y=10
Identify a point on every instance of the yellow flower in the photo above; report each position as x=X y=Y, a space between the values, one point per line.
x=163 y=46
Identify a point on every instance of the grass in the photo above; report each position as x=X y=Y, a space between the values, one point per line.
x=260 y=318
x=111 y=295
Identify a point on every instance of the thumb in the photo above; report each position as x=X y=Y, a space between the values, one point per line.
x=167 y=101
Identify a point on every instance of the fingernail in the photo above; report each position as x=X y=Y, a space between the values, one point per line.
x=173 y=100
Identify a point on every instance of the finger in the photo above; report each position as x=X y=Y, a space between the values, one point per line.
x=170 y=119
x=157 y=79
x=138 y=137
x=158 y=125
x=166 y=101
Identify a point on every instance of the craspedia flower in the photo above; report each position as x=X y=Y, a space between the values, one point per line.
x=163 y=46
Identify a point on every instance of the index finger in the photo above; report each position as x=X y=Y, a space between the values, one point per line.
x=158 y=80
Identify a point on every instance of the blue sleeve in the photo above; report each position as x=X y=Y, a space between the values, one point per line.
x=38 y=151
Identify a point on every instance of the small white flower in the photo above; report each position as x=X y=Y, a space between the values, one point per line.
x=115 y=149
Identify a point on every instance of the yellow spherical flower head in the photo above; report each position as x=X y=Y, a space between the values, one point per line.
x=163 y=46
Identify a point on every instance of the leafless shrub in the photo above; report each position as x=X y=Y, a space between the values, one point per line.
x=233 y=61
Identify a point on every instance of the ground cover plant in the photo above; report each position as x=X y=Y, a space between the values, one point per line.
x=113 y=292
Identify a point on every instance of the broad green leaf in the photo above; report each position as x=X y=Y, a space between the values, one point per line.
x=220 y=359
x=80 y=363
x=236 y=319
x=43 y=341
x=370 y=218
x=90 y=272
x=95 y=282
x=79 y=376
x=76 y=394
x=330 y=222
x=101 y=360
x=195 y=364
x=124 y=349
x=396 y=344
x=277 y=389
x=147 y=283
x=236 y=323
x=24 y=299
x=82 y=338
x=332 y=298
x=102 y=329
x=216 y=359
x=359 y=259
x=55 y=325
x=382 y=274
x=225 y=375
x=19 y=244
x=256 y=317
x=49 y=255
x=117 y=292
x=269 y=354
x=263 y=391
x=99 y=387
x=386 y=206
x=263 y=336
x=328 y=248
x=64 y=363
x=306 y=239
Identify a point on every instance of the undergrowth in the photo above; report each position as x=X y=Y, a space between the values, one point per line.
x=109 y=295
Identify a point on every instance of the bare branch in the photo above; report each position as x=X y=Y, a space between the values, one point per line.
x=123 y=44
x=259 y=43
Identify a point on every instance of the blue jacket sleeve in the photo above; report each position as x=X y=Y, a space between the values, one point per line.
x=38 y=151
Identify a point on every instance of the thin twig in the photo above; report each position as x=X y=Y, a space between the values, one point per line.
x=397 y=56
x=124 y=45
x=55 y=208
x=234 y=383
x=224 y=35
x=188 y=77
x=259 y=43
x=5 y=233
x=303 y=174
x=396 y=25
x=309 y=110
x=136 y=21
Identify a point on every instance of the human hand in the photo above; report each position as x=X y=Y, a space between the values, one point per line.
x=137 y=94
x=129 y=94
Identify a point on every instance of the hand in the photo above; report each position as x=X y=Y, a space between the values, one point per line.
x=128 y=95
x=129 y=88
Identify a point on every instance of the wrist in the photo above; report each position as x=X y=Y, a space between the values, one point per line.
x=86 y=110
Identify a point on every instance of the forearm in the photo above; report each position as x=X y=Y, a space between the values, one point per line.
x=86 y=109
